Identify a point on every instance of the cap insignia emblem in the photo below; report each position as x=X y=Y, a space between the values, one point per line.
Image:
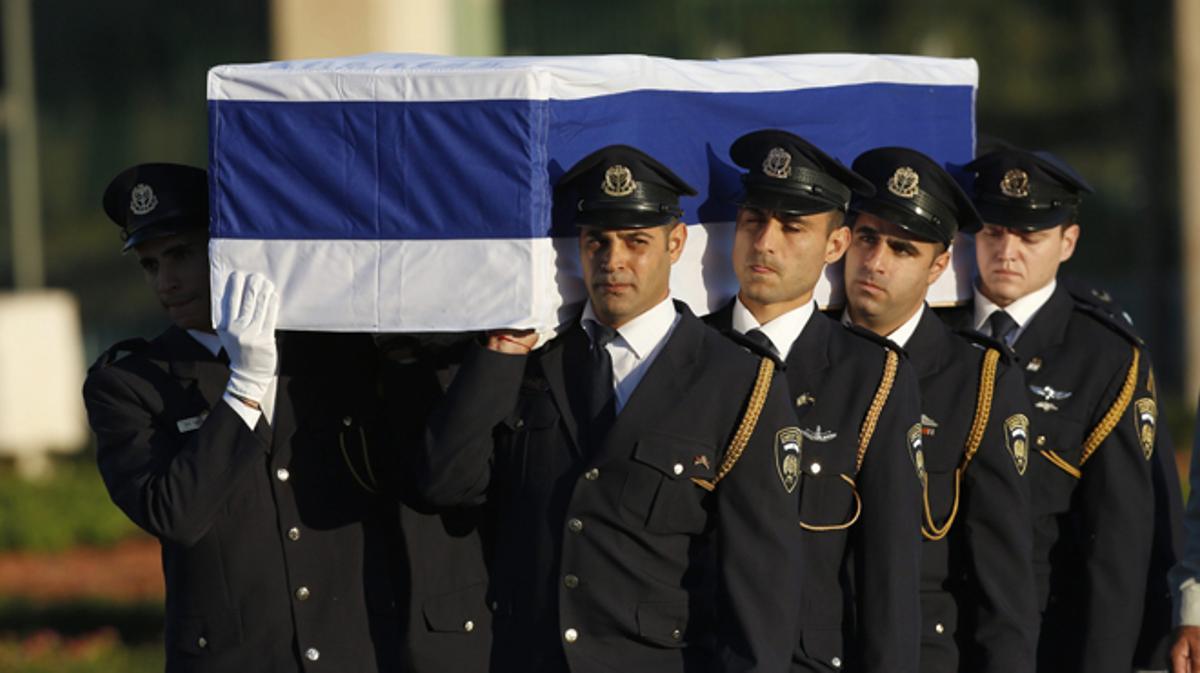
x=142 y=199
x=618 y=181
x=778 y=164
x=904 y=183
x=1015 y=184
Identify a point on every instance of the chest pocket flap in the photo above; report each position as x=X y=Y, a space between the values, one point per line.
x=676 y=457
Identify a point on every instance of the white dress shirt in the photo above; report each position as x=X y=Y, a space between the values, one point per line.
x=783 y=330
x=901 y=334
x=638 y=343
x=212 y=343
x=1022 y=310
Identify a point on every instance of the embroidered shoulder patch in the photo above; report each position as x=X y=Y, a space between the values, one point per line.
x=1145 y=417
x=1016 y=438
x=788 y=443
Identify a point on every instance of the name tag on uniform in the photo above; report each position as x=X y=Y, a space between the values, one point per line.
x=190 y=424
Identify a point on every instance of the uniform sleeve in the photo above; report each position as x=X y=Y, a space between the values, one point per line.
x=999 y=536
x=1115 y=500
x=1155 y=641
x=170 y=484
x=460 y=438
x=887 y=539
x=1185 y=576
x=758 y=555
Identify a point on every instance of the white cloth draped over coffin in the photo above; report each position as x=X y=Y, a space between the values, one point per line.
x=395 y=192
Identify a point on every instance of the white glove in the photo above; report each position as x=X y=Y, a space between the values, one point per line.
x=247 y=331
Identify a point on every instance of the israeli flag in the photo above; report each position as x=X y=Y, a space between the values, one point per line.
x=394 y=192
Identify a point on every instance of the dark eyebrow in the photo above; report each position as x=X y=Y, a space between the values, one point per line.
x=902 y=245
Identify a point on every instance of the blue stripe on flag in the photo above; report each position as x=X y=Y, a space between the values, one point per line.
x=483 y=169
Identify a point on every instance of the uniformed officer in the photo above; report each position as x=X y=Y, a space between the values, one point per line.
x=1102 y=499
x=226 y=449
x=978 y=610
x=855 y=399
x=644 y=469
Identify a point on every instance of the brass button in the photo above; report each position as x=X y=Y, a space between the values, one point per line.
x=202 y=641
x=592 y=474
x=293 y=533
x=312 y=654
x=816 y=468
x=1041 y=440
x=469 y=626
x=574 y=525
x=677 y=635
x=282 y=474
x=939 y=628
x=347 y=421
x=570 y=581
x=677 y=468
x=836 y=662
x=302 y=594
x=570 y=635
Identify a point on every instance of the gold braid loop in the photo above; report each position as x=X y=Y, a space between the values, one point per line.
x=758 y=397
x=349 y=464
x=816 y=528
x=983 y=411
x=876 y=408
x=1110 y=420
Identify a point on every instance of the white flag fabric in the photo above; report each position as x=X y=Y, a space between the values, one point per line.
x=400 y=192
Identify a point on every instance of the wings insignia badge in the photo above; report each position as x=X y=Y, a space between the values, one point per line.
x=788 y=443
x=1049 y=397
x=818 y=435
x=1016 y=438
x=1146 y=417
x=916 y=453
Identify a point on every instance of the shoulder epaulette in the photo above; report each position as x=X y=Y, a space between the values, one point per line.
x=118 y=351
x=986 y=343
x=1108 y=320
x=755 y=348
x=1098 y=299
x=881 y=340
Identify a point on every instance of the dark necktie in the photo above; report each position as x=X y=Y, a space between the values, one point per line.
x=1002 y=325
x=601 y=401
x=758 y=338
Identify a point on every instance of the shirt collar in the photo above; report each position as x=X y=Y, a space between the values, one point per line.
x=782 y=330
x=210 y=341
x=901 y=334
x=642 y=333
x=1021 y=310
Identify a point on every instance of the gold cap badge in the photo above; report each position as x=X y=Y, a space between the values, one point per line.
x=1015 y=184
x=904 y=183
x=778 y=164
x=618 y=181
x=142 y=199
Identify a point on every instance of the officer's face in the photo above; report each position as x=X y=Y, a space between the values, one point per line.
x=627 y=271
x=1013 y=263
x=888 y=272
x=176 y=268
x=779 y=258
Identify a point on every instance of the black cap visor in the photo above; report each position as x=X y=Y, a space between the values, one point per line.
x=160 y=229
x=1023 y=218
x=920 y=227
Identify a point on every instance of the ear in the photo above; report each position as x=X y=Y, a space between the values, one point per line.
x=836 y=244
x=938 y=267
x=676 y=237
x=1070 y=237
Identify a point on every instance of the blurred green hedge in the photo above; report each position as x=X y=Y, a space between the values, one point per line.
x=69 y=507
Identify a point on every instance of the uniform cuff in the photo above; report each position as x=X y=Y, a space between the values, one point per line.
x=1189 y=603
x=248 y=415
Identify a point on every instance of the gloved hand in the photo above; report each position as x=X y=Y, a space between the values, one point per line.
x=247 y=331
